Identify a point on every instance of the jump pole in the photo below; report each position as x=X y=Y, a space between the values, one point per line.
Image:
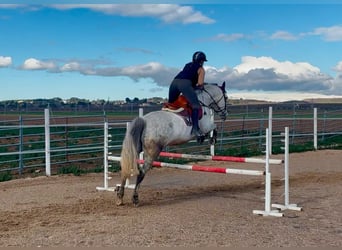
x=210 y=169
x=220 y=158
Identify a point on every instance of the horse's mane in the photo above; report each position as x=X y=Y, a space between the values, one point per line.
x=207 y=83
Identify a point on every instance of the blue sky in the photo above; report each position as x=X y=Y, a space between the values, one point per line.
x=113 y=51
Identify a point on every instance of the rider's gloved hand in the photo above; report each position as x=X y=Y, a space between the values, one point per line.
x=199 y=87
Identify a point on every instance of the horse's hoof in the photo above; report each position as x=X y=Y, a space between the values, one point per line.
x=200 y=139
x=119 y=202
x=212 y=141
x=135 y=200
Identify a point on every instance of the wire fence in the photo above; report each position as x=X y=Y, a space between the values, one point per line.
x=78 y=140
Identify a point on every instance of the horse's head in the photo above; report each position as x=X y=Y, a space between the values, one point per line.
x=215 y=97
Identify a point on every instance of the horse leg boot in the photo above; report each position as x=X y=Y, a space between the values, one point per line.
x=195 y=128
x=135 y=197
x=120 y=191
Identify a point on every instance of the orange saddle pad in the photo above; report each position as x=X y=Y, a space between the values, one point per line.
x=180 y=106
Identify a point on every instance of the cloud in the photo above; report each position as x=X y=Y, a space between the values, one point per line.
x=252 y=74
x=285 y=67
x=138 y=50
x=10 y=6
x=331 y=34
x=228 y=37
x=283 y=35
x=34 y=64
x=72 y=66
x=266 y=73
x=157 y=72
x=338 y=67
x=278 y=96
x=337 y=82
x=328 y=34
x=168 y=13
x=5 y=61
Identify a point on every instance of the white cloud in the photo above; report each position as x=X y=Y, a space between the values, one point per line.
x=214 y=75
x=34 y=64
x=279 y=96
x=5 y=61
x=283 y=35
x=228 y=37
x=332 y=34
x=252 y=74
x=72 y=66
x=169 y=13
x=160 y=74
x=337 y=82
x=9 y=6
x=266 y=73
x=338 y=67
x=300 y=69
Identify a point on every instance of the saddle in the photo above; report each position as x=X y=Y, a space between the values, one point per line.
x=182 y=108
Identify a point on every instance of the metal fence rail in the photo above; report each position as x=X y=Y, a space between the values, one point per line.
x=28 y=144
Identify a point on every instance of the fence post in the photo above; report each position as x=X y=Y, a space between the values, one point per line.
x=212 y=145
x=270 y=117
x=315 y=128
x=47 y=142
x=21 y=142
x=141 y=112
x=105 y=158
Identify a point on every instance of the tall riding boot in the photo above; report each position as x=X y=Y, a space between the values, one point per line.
x=195 y=128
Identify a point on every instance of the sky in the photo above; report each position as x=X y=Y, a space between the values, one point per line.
x=111 y=51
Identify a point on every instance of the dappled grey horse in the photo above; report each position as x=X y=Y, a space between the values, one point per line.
x=155 y=130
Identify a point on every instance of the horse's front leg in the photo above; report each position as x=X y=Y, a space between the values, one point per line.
x=213 y=138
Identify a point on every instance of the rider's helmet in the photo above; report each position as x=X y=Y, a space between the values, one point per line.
x=199 y=57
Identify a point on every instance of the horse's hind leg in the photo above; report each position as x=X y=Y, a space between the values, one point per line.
x=120 y=191
x=142 y=172
x=151 y=152
x=140 y=177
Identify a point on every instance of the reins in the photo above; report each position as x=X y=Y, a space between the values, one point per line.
x=214 y=105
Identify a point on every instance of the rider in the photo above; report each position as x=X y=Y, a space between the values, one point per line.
x=185 y=82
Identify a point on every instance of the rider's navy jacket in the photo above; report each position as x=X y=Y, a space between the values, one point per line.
x=190 y=72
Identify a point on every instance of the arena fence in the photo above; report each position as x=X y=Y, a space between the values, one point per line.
x=32 y=143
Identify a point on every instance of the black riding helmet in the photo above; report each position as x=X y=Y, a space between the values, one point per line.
x=198 y=57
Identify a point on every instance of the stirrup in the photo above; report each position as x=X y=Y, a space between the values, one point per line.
x=200 y=139
x=196 y=132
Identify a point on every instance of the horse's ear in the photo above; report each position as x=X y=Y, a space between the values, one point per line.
x=223 y=85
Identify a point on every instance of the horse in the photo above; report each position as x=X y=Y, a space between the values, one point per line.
x=152 y=132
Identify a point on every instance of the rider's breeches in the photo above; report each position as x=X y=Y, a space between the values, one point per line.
x=183 y=86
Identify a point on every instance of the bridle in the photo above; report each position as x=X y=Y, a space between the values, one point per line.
x=214 y=104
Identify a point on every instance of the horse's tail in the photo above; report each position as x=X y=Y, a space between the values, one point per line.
x=131 y=147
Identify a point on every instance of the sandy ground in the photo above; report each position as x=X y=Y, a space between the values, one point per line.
x=178 y=208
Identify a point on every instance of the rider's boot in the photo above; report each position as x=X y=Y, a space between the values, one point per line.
x=196 y=131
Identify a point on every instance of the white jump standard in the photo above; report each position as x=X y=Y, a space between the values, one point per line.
x=268 y=211
x=287 y=204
